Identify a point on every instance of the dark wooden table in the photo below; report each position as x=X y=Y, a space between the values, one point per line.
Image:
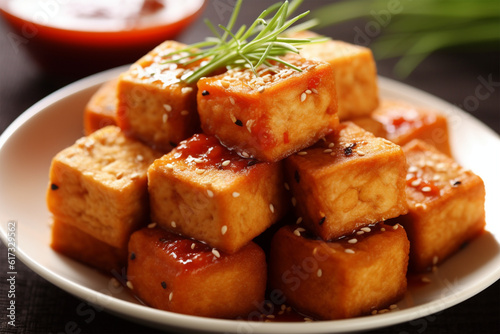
x=453 y=76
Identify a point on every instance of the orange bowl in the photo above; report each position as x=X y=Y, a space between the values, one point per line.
x=85 y=36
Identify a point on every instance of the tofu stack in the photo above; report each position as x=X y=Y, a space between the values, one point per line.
x=175 y=181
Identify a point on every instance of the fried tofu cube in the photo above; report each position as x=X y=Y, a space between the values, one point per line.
x=345 y=278
x=271 y=116
x=181 y=275
x=100 y=111
x=446 y=205
x=69 y=240
x=401 y=122
x=204 y=191
x=154 y=105
x=355 y=74
x=349 y=180
x=99 y=185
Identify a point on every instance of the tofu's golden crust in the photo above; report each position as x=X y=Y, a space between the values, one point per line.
x=100 y=111
x=154 y=106
x=446 y=205
x=337 y=280
x=355 y=74
x=69 y=240
x=347 y=181
x=99 y=184
x=222 y=287
x=401 y=122
x=271 y=116
x=223 y=208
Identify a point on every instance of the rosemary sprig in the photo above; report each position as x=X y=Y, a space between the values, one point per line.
x=231 y=49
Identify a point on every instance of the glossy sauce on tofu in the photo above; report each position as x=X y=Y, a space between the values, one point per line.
x=206 y=152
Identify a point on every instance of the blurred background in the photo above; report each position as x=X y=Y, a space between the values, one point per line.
x=449 y=48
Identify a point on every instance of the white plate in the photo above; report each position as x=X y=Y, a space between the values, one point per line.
x=54 y=123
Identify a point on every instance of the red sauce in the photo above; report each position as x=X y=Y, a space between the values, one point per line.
x=426 y=188
x=206 y=152
x=80 y=37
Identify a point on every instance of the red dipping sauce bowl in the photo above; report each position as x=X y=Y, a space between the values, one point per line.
x=76 y=37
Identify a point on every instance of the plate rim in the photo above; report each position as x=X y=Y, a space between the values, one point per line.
x=150 y=317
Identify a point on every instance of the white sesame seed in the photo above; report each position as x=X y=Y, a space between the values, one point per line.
x=215 y=252
x=299 y=220
x=409 y=177
x=224 y=83
x=169 y=166
x=352 y=241
x=119 y=175
x=319 y=273
x=226 y=163
x=199 y=171
x=420 y=205
x=236 y=194
x=360 y=153
x=135 y=176
x=331 y=145
x=314 y=90
x=223 y=229
x=348 y=250
x=261 y=89
x=271 y=207
x=186 y=90
x=297 y=231
x=425 y=279
x=231 y=99
x=436 y=177
x=303 y=97
x=366 y=229
x=173 y=224
x=249 y=124
x=308 y=91
x=435 y=260
x=164 y=118
x=374 y=312
x=210 y=193
x=302 y=153
x=308 y=320
x=383 y=229
x=294 y=201
x=129 y=285
x=245 y=154
x=395 y=227
x=360 y=232
x=170 y=296
x=393 y=307
x=193 y=245
x=139 y=158
x=416 y=183
x=412 y=169
x=287 y=187
x=426 y=189
x=167 y=107
x=152 y=225
x=197 y=160
x=328 y=150
x=184 y=112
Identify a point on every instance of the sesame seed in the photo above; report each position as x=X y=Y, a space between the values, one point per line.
x=193 y=245
x=409 y=177
x=298 y=230
x=322 y=220
x=383 y=311
x=425 y=279
x=302 y=153
x=118 y=176
x=249 y=124
x=205 y=93
x=238 y=122
x=186 y=90
x=129 y=285
x=261 y=89
x=360 y=232
x=303 y=97
x=231 y=99
x=294 y=201
x=226 y=163
x=139 y=158
x=270 y=316
x=199 y=171
x=383 y=229
x=169 y=166
x=319 y=273
x=308 y=320
x=163 y=285
x=164 y=118
x=331 y=145
x=236 y=194
x=210 y=193
x=299 y=220
x=223 y=229
x=287 y=186
x=170 y=296
x=167 y=107
x=135 y=176
x=115 y=282
x=233 y=118
x=328 y=150
x=184 y=112
x=412 y=169
x=435 y=260
x=348 y=250
x=197 y=160
x=308 y=91
x=314 y=90
x=215 y=252
x=426 y=189
x=173 y=224
x=416 y=183
x=436 y=177
x=420 y=205
x=224 y=83
x=352 y=241
x=245 y=154
x=395 y=227
x=360 y=153
x=152 y=225
x=374 y=312
x=366 y=229
x=271 y=207
x=393 y=307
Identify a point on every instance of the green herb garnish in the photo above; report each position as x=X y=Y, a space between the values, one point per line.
x=231 y=49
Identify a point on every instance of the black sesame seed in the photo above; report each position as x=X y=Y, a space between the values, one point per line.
x=457 y=183
x=297 y=176
x=163 y=285
x=132 y=256
x=163 y=240
x=54 y=186
x=252 y=162
x=205 y=93
x=347 y=151
x=238 y=122
x=321 y=221
x=172 y=144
